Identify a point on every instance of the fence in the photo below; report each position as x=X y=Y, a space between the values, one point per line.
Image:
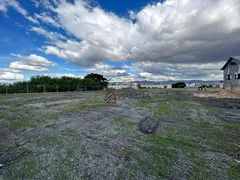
x=43 y=88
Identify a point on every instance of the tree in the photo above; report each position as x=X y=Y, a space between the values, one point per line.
x=97 y=80
x=179 y=85
x=54 y=84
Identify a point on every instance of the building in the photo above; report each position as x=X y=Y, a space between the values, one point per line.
x=231 y=80
x=122 y=85
x=220 y=84
x=155 y=86
x=150 y=86
x=191 y=85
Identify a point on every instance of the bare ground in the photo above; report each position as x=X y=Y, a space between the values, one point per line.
x=174 y=135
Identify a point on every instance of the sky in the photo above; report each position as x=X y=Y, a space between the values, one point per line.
x=123 y=40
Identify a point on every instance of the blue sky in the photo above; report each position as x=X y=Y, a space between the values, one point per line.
x=123 y=40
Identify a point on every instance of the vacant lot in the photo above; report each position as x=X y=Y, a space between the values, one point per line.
x=78 y=136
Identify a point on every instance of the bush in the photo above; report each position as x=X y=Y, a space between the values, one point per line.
x=179 y=85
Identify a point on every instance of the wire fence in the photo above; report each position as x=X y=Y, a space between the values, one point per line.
x=44 y=88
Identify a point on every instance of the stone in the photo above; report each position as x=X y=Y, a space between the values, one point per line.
x=148 y=125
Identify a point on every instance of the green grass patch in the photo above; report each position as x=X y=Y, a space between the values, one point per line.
x=150 y=161
x=3 y=142
x=231 y=125
x=153 y=160
x=24 y=167
x=163 y=109
x=222 y=139
x=143 y=104
x=175 y=139
x=81 y=108
x=124 y=126
x=21 y=118
x=69 y=133
x=200 y=170
x=234 y=171
x=157 y=159
x=4 y=116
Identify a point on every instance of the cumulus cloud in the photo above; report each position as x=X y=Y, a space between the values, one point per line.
x=176 y=37
x=163 y=71
x=101 y=35
x=112 y=73
x=198 y=31
x=173 y=31
x=31 y=63
x=10 y=75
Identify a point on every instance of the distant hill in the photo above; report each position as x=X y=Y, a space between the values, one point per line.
x=175 y=81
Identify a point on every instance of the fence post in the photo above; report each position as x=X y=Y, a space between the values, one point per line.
x=44 y=90
x=27 y=89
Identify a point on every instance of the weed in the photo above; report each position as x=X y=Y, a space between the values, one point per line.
x=48 y=124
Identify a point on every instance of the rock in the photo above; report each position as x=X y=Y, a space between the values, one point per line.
x=237 y=161
x=3 y=107
x=148 y=125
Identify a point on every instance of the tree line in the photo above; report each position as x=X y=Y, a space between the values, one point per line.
x=37 y=84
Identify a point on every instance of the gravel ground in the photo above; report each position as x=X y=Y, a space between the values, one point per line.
x=173 y=135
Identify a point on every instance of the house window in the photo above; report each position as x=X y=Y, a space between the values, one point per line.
x=237 y=76
x=228 y=77
x=233 y=63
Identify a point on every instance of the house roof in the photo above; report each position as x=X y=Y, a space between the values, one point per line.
x=229 y=60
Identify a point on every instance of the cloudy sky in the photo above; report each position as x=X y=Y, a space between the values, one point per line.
x=123 y=40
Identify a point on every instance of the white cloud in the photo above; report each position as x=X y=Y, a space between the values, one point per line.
x=163 y=71
x=187 y=32
x=32 y=19
x=10 y=75
x=4 y=4
x=112 y=73
x=31 y=63
x=46 y=18
x=167 y=32
x=102 y=34
x=176 y=36
x=59 y=75
x=54 y=36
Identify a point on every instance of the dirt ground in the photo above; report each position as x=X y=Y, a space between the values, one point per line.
x=173 y=135
x=217 y=94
